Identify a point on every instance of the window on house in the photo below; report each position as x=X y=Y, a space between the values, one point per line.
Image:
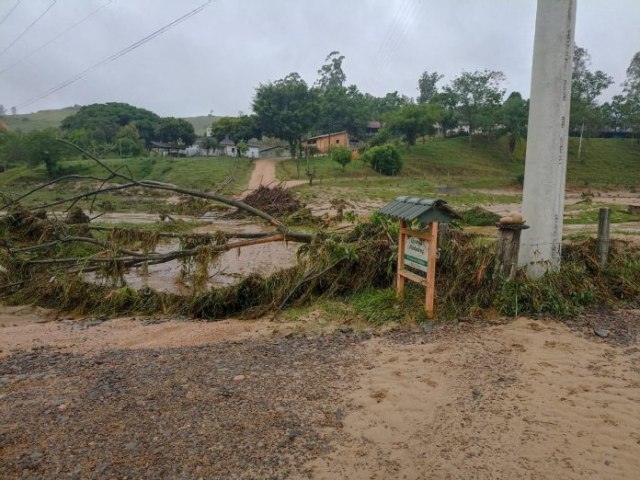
x=338 y=141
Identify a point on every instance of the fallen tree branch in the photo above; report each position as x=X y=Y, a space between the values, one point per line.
x=154 y=258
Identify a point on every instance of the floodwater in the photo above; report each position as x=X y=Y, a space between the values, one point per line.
x=227 y=269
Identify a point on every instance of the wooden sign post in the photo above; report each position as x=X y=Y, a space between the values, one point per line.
x=417 y=250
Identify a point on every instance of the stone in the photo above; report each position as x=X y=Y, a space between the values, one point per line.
x=601 y=332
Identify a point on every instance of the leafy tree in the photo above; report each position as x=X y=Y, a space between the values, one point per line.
x=176 y=130
x=210 y=143
x=515 y=115
x=236 y=128
x=101 y=122
x=331 y=73
x=241 y=148
x=428 y=86
x=384 y=159
x=477 y=97
x=341 y=108
x=413 y=121
x=378 y=107
x=3 y=110
x=14 y=111
x=33 y=148
x=286 y=109
x=341 y=155
x=586 y=87
x=129 y=141
x=631 y=105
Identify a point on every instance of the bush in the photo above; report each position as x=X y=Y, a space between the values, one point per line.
x=341 y=155
x=384 y=159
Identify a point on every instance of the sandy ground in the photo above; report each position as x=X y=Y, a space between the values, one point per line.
x=521 y=399
x=529 y=399
x=264 y=173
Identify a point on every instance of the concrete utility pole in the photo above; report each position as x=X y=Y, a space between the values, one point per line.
x=547 y=139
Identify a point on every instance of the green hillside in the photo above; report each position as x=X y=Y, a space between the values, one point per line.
x=53 y=118
x=482 y=163
x=200 y=123
x=38 y=120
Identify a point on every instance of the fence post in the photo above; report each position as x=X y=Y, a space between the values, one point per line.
x=507 y=249
x=603 y=236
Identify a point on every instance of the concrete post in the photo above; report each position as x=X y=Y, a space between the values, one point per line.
x=547 y=139
x=507 y=249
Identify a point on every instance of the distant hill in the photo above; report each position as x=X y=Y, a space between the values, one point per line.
x=201 y=123
x=53 y=118
x=38 y=120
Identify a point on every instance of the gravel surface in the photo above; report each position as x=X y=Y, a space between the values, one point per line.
x=243 y=409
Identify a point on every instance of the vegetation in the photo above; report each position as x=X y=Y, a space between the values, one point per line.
x=340 y=155
x=286 y=109
x=384 y=159
x=175 y=130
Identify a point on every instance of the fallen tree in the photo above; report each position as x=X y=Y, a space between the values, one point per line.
x=46 y=260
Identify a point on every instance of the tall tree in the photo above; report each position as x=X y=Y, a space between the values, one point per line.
x=515 y=113
x=331 y=73
x=631 y=104
x=3 y=110
x=413 y=121
x=477 y=97
x=175 y=130
x=239 y=128
x=428 y=86
x=286 y=109
x=586 y=87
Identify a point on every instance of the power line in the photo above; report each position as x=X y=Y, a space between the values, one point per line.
x=44 y=45
x=391 y=31
x=116 y=55
x=10 y=12
x=28 y=28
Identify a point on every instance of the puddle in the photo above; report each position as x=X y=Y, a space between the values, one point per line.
x=228 y=269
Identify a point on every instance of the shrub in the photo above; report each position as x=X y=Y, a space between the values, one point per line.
x=341 y=155
x=384 y=159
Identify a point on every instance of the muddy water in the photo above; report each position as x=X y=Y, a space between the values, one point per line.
x=228 y=269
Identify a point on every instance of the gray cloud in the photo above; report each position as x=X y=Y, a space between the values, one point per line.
x=215 y=60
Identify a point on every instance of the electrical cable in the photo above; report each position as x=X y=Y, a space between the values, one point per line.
x=115 y=56
x=10 y=12
x=28 y=28
x=46 y=44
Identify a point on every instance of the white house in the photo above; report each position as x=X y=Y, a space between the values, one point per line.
x=254 y=148
x=228 y=147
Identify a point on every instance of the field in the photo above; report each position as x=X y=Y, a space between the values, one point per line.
x=455 y=163
x=222 y=174
x=38 y=120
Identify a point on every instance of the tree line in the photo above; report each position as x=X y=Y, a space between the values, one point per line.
x=471 y=103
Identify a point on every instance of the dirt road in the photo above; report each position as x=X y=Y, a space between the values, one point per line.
x=142 y=399
x=264 y=173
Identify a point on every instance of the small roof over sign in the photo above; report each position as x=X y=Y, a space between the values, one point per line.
x=424 y=210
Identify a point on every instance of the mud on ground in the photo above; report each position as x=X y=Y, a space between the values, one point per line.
x=520 y=399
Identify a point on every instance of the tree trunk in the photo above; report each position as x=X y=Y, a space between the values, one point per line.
x=580 y=142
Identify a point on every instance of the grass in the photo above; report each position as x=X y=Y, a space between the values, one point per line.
x=202 y=173
x=458 y=170
x=38 y=120
x=584 y=214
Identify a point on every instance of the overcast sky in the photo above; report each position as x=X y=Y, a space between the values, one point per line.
x=215 y=59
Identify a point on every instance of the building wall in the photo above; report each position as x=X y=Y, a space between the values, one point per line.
x=253 y=152
x=334 y=140
x=230 y=151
